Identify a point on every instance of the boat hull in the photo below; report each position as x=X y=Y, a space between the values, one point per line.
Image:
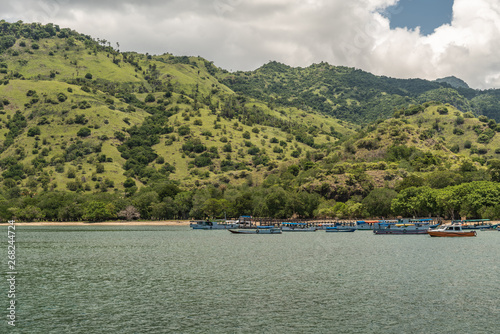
x=399 y=232
x=306 y=229
x=452 y=233
x=255 y=231
x=342 y=229
x=215 y=227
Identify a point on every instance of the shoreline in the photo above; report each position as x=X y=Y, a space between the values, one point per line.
x=110 y=223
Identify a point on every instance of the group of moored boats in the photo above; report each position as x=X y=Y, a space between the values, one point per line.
x=402 y=226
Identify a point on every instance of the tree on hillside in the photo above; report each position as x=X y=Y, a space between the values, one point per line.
x=378 y=202
x=83 y=132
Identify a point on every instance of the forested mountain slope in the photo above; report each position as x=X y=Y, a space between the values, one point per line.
x=355 y=95
x=89 y=132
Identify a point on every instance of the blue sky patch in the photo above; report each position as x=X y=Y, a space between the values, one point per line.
x=427 y=14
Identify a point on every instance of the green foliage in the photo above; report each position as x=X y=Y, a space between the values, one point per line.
x=83 y=132
x=34 y=131
x=99 y=211
x=150 y=98
x=378 y=202
x=442 y=110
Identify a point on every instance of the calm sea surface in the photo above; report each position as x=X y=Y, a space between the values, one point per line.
x=176 y=280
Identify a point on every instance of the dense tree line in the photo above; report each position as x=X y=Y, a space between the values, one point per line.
x=167 y=200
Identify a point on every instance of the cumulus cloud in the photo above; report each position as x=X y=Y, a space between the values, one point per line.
x=244 y=34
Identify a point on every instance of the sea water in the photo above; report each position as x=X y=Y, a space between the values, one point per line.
x=162 y=279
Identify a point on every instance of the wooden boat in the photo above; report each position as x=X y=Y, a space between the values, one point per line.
x=473 y=224
x=257 y=230
x=366 y=224
x=405 y=228
x=340 y=229
x=297 y=227
x=212 y=225
x=385 y=226
x=451 y=230
x=494 y=227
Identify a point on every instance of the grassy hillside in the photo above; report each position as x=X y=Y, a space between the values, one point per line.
x=88 y=132
x=67 y=81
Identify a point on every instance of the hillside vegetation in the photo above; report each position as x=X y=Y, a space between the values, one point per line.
x=355 y=95
x=92 y=133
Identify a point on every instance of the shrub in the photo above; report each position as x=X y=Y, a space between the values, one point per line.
x=83 y=132
x=88 y=76
x=34 y=131
x=84 y=104
x=483 y=119
x=254 y=150
x=62 y=97
x=442 y=110
x=183 y=130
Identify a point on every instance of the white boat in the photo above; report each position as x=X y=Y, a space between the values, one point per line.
x=451 y=230
x=212 y=225
x=297 y=227
x=257 y=230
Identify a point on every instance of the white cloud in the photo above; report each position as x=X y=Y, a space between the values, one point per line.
x=244 y=34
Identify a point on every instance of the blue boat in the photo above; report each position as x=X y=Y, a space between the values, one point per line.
x=340 y=229
x=473 y=224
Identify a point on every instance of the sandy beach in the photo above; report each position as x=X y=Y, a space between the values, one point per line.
x=110 y=223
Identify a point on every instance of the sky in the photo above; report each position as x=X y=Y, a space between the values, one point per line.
x=426 y=39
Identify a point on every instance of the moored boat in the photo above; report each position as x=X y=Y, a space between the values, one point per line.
x=212 y=225
x=257 y=230
x=297 y=227
x=451 y=230
x=473 y=224
x=340 y=228
x=405 y=228
x=366 y=224
x=494 y=227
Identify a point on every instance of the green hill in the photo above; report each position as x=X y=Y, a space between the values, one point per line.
x=61 y=82
x=355 y=95
x=92 y=133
